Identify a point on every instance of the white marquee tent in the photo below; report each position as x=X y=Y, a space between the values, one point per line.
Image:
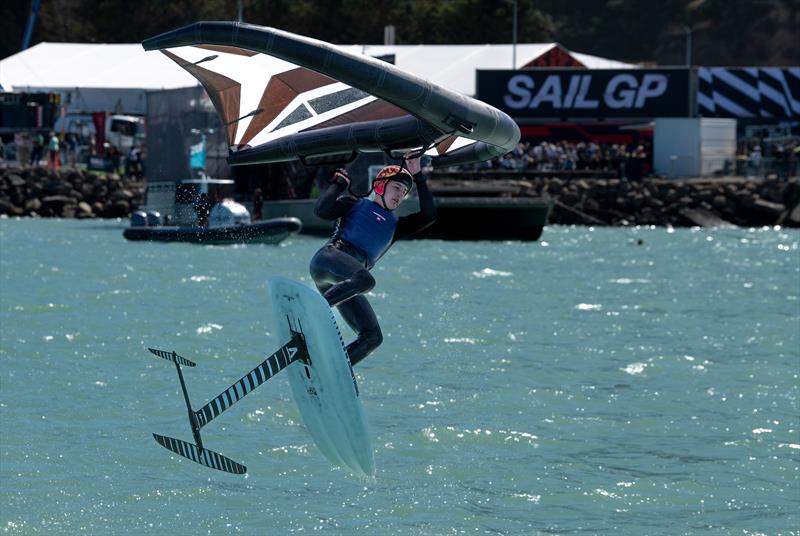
x=116 y=77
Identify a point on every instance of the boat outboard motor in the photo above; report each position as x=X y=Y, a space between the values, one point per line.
x=139 y=219
x=153 y=218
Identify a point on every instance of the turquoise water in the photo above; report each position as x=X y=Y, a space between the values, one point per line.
x=583 y=384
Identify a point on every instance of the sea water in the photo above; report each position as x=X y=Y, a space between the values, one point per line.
x=599 y=381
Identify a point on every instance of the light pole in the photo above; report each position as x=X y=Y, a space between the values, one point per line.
x=688 y=31
x=514 y=38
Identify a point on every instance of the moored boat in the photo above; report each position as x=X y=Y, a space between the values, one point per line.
x=187 y=204
x=270 y=231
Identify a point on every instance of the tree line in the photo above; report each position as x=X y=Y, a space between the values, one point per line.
x=723 y=32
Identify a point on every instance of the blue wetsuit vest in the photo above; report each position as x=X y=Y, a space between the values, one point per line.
x=369 y=227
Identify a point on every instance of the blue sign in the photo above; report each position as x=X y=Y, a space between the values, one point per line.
x=197 y=154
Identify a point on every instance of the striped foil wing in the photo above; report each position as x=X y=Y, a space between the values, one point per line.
x=172 y=356
x=206 y=457
x=278 y=361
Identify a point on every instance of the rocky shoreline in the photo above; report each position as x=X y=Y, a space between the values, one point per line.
x=74 y=193
x=68 y=193
x=652 y=201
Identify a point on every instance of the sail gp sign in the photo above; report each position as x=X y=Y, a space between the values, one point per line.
x=557 y=93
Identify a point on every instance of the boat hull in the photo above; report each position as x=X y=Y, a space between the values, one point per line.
x=458 y=218
x=270 y=231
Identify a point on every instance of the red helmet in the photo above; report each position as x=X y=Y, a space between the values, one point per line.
x=392 y=173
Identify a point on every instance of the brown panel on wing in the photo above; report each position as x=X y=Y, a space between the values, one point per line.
x=302 y=79
x=228 y=50
x=280 y=91
x=377 y=109
x=445 y=144
x=224 y=92
x=276 y=97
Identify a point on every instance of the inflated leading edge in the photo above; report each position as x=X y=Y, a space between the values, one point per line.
x=310 y=98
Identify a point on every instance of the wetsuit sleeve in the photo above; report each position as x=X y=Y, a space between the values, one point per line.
x=332 y=204
x=414 y=223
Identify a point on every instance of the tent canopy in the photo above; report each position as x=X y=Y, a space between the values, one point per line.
x=115 y=77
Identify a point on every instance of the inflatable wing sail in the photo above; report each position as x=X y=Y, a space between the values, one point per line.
x=282 y=96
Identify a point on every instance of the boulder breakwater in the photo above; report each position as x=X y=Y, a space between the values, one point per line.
x=68 y=193
x=651 y=201
x=75 y=193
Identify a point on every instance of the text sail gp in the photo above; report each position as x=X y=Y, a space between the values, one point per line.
x=622 y=91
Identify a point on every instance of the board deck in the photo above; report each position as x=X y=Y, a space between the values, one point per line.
x=324 y=389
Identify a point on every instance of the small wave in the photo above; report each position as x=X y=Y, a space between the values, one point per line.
x=430 y=435
x=465 y=340
x=199 y=278
x=488 y=272
x=588 y=307
x=635 y=369
x=528 y=497
x=208 y=328
x=603 y=493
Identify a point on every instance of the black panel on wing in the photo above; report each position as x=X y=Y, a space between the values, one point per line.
x=337 y=100
x=298 y=114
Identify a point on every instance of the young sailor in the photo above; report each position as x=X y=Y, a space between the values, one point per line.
x=365 y=230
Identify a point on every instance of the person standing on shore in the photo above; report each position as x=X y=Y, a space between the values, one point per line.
x=365 y=230
x=72 y=150
x=258 y=204
x=52 y=151
x=22 y=142
x=755 y=160
x=38 y=149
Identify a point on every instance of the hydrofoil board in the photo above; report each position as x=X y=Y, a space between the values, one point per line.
x=323 y=385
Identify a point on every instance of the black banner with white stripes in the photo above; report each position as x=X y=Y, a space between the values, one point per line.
x=741 y=92
x=768 y=92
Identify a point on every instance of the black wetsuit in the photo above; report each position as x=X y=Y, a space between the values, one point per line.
x=340 y=269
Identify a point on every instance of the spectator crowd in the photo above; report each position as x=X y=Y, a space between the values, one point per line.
x=35 y=148
x=757 y=158
x=631 y=161
x=31 y=148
